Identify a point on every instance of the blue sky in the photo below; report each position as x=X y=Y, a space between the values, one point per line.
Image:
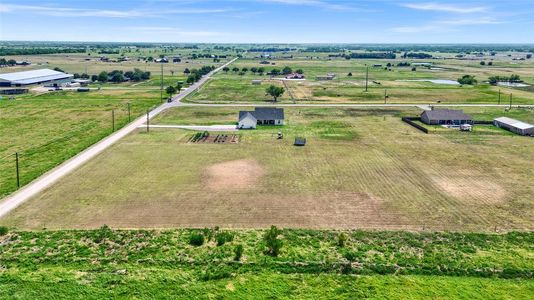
x=269 y=21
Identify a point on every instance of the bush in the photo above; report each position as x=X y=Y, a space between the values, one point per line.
x=342 y=239
x=273 y=243
x=196 y=239
x=224 y=237
x=467 y=79
x=3 y=230
x=238 y=251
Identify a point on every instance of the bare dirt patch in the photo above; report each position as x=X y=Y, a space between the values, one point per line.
x=235 y=174
x=471 y=189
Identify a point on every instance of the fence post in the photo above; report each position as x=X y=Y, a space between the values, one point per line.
x=129 y=113
x=17 y=167
x=113 y=120
x=147 y=120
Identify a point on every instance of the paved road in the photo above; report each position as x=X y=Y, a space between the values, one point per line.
x=44 y=181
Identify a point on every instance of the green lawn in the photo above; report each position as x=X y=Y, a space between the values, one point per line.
x=161 y=264
x=48 y=129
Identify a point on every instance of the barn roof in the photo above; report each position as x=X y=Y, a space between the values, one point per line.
x=446 y=114
x=29 y=77
x=514 y=123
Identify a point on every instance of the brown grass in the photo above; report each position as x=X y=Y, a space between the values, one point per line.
x=236 y=174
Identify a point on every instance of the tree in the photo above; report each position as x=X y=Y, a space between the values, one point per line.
x=467 y=79
x=76 y=75
x=490 y=63
x=103 y=76
x=13 y=62
x=55 y=69
x=235 y=69
x=529 y=56
x=482 y=63
x=273 y=243
x=170 y=90
x=117 y=77
x=226 y=69
x=244 y=70
x=414 y=69
x=275 y=72
x=187 y=71
x=179 y=86
x=94 y=78
x=172 y=72
x=254 y=70
x=299 y=71
x=275 y=92
x=350 y=74
x=287 y=70
x=261 y=70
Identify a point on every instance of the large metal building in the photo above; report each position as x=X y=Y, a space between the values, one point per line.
x=34 y=77
x=515 y=126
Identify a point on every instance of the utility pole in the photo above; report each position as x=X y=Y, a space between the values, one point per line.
x=129 y=113
x=113 y=120
x=147 y=120
x=17 y=167
x=161 y=85
x=385 y=95
x=366 y=76
x=510 y=100
x=499 y=97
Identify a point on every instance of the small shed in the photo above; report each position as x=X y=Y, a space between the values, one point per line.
x=256 y=82
x=300 y=142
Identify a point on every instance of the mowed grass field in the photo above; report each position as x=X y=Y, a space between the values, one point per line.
x=361 y=168
x=232 y=87
x=47 y=129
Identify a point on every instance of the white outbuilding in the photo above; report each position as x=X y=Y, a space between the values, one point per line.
x=515 y=126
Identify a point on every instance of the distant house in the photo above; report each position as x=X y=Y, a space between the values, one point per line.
x=295 y=76
x=445 y=117
x=264 y=62
x=162 y=60
x=256 y=81
x=515 y=126
x=260 y=116
x=377 y=66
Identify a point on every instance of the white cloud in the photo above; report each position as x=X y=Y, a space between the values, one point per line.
x=81 y=12
x=317 y=3
x=442 y=7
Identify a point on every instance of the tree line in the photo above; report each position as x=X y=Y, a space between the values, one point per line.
x=261 y=70
x=33 y=51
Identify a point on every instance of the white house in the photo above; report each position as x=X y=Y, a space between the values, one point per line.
x=246 y=120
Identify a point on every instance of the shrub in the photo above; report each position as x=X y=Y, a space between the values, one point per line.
x=273 y=243
x=224 y=237
x=238 y=252
x=467 y=79
x=102 y=233
x=196 y=239
x=342 y=239
x=3 y=230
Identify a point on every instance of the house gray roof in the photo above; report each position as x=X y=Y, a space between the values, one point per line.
x=29 y=77
x=264 y=113
x=446 y=114
x=246 y=114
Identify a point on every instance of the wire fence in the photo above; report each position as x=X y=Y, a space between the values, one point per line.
x=21 y=165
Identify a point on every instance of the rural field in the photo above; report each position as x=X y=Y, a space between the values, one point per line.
x=107 y=263
x=397 y=83
x=361 y=169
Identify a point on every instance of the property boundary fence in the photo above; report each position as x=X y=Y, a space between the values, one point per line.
x=410 y=121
